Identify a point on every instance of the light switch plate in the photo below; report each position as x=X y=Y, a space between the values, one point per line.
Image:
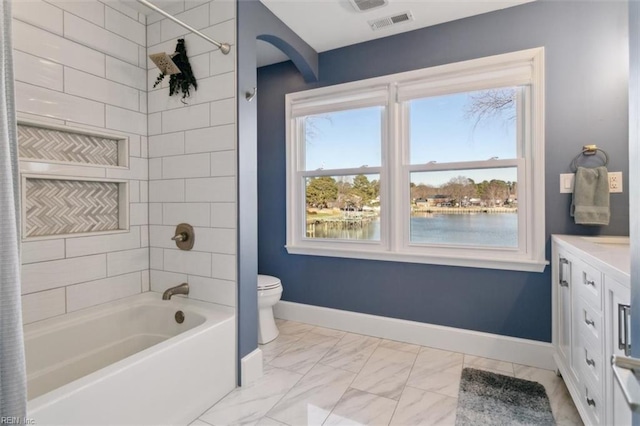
x=615 y=182
x=566 y=183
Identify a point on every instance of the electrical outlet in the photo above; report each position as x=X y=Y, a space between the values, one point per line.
x=615 y=182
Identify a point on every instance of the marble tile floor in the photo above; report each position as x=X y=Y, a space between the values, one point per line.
x=318 y=376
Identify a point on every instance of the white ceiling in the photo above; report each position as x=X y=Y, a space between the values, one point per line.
x=330 y=24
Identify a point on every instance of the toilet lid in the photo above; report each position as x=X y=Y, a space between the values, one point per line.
x=266 y=282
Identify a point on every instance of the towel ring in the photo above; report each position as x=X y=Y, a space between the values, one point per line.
x=588 y=150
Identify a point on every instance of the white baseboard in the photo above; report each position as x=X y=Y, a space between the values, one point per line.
x=251 y=367
x=510 y=349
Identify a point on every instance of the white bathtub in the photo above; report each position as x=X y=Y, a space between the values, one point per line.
x=130 y=363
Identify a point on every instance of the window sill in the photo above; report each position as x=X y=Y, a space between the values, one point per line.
x=514 y=264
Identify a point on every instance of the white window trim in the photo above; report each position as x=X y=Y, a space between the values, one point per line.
x=518 y=68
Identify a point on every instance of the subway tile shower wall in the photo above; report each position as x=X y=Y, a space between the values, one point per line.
x=84 y=64
x=192 y=157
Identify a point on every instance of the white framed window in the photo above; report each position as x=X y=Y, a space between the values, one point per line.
x=443 y=165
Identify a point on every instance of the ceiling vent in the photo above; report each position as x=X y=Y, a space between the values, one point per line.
x=365 y=5
x=391 y=20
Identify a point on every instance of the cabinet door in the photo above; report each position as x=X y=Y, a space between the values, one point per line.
x=562 y=284
x=616 y=298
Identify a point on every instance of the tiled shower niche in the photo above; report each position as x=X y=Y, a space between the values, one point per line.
x=60 y=144
x=67 y=200
x=60 y=206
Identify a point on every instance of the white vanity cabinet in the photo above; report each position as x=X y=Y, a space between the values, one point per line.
x=617 y=310
x=590 y=298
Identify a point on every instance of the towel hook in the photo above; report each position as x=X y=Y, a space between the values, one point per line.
x=588 y=150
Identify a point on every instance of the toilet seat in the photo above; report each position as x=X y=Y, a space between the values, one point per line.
x=267 y=282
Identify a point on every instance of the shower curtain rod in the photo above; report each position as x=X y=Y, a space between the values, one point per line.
x=224 y=47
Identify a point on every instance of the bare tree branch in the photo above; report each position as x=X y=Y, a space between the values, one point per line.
x=492 y=103
x=312 y=126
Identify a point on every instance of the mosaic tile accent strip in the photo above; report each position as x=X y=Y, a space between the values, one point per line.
x=56 y=145
x=60 y=207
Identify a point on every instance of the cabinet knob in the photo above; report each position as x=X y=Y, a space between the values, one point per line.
x=590 y=322
x=591 y=402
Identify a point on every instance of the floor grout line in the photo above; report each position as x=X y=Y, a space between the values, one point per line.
x=281 y=398
x=303 y=376
x=340 y=399
x=405 y=384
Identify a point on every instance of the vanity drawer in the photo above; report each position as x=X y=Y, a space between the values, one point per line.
x=588 y=282
x=589 y=363
x=592 y=403
x=589 y=322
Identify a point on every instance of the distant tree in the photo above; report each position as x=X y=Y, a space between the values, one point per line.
x=364 y=189
x=321 y=191
x=459 y=187
x=422 y=191
x=494 y=191
x=344 y=189
x=375 y=184
x=481 y=189
x=349 y=200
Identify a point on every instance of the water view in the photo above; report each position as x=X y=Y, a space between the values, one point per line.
x=475 y=206
x=493 y=230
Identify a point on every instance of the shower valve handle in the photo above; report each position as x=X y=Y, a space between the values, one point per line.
x=184 y=236
x=180 y=237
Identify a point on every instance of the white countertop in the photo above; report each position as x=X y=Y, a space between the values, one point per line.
x=608 y=253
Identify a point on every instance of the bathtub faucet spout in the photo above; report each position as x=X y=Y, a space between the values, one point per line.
x=179 y=289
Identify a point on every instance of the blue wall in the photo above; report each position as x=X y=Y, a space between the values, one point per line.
x=247 y=309
x=586 y=102
x=254 y=22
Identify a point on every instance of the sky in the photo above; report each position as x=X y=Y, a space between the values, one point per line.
x=440 y=131
x=344 y=139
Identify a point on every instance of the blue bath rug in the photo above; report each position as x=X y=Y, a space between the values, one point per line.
x=493 y=399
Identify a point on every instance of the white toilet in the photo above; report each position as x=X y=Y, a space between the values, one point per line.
x=269 y=292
